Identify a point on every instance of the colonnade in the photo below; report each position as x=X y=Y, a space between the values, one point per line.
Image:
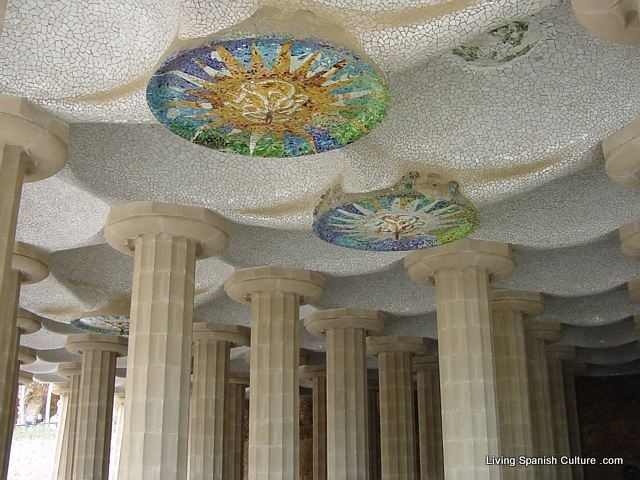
x=496 y=389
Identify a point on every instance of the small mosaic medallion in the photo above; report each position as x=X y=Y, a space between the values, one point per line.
x=268 y=96
x=500 y=45
x=104 y=324
x=411 y=215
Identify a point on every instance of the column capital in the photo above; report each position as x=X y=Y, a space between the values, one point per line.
x=622 y=154
x=83 y=342
x=41 y=136
x=26 y=355
x=395 y=343
x=28 y=322
x=530 y=303
x=31 y=262
x=561 y=352
x=310 y=372
x=25 y=378
x=496 y=258
x=630 y=239
x=126 y=222
x=70 y=369
x=370 y=320
x=236 y=335
x=426 y=362
x=549 y=332
x=238 y=378
x=634 y=291
x=611 y=21
x=243 y=283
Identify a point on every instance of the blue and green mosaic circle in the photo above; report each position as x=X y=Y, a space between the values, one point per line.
x=104 y=324
x=396 y=223
x=269 y=96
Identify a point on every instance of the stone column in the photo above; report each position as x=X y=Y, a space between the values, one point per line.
x=275 y=295
x=64 y=391
x=318 y=376
x=537 y=336
x=461 y=272
x=165 y=240
x=621 y=149
x=95 y=405
x=573 y=421
x=374 y=428
x=347 y=433
x=32 y=147
x=28 y=265
x=429 y=418
x=555 y=356
x=397 y=432
x=634 y=291
x=234 y=428
x=211 y=349
x=63 y=469
x=118 y=434
x=512 y=384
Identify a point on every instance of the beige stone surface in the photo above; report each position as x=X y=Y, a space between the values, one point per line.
x=461 y=272
x=622 y=154
x=234 y=427
x=117 y=436
x=31 y=262
x=497 y=259
x=630 y=239
x=556 y=354
x=209 y=404
x=347 y=423
x=429 y=417
x=28 y=322
x=40 y=135
x=318 y=376
x=63 y=468
x=397 y=421
x=275 y=295
x=95 y=404
x=614 y=21
x=512 y=384
x=208 y=230
x=165 y=240
x=537 y=336
x=634 y=291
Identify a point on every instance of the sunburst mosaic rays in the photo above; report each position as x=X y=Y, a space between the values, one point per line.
x=269 y=96
x=403 y=217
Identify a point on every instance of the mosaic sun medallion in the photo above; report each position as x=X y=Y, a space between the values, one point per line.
x=104 y=324
x=411 y=215
x=269 y=96
x=500 y=45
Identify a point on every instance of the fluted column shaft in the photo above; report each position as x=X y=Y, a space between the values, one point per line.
x=560 y=423
x=573 y=419
x=467 y=380
x=64 y=465
x=207 y=438
x=429 y=418
x=347 y=425
x=374 y=433
x=234 y=431
x=274 y=396
x=9 y=341
x=319 y=400
x=157 y=402
x=206 y=423
x=540 y=403
x=95 y=413
x=512 y=392
x=118 y=434
x=63 y=412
